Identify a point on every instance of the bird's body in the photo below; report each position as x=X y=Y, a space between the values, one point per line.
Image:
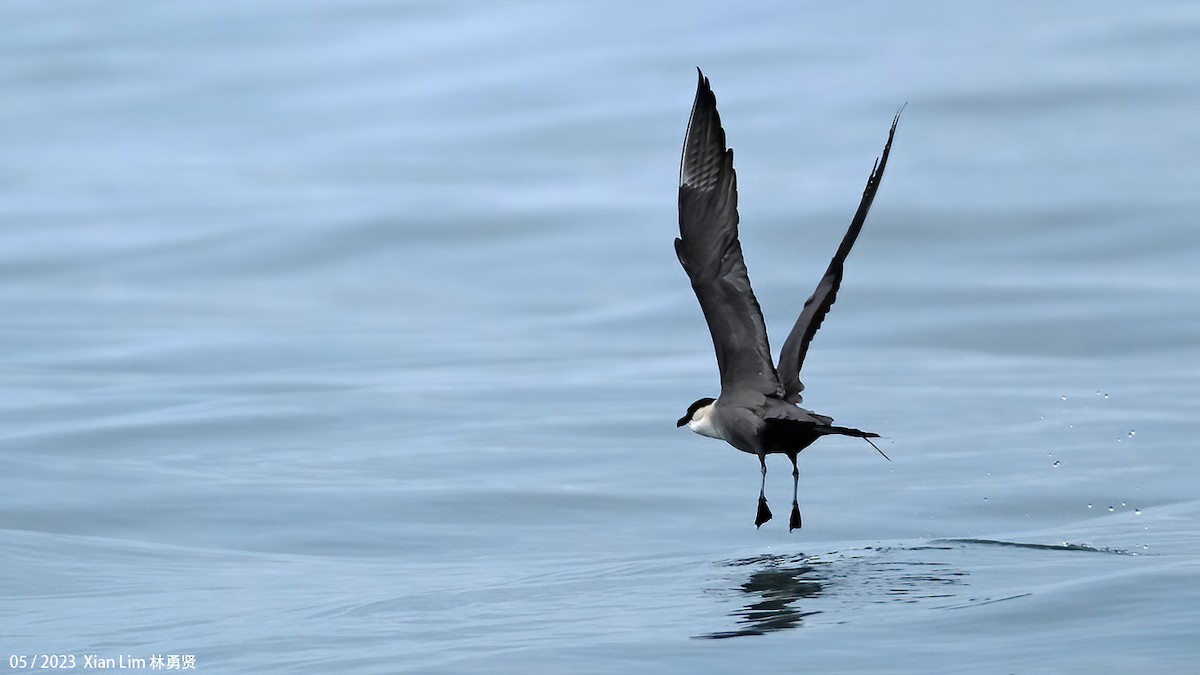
x=757 y=411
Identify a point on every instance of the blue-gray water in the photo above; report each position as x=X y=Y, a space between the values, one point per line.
x=349 y=337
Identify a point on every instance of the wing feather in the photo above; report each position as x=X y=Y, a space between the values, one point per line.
x=795 y=348
x=709 y=250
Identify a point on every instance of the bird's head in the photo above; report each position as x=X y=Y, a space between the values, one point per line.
x=696 y=411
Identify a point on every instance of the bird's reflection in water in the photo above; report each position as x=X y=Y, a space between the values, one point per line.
x=777 y=590
x=784 y=589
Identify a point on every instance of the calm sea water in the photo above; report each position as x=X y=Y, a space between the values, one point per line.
x=348 y=337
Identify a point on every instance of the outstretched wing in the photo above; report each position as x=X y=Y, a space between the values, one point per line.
x=791 y=357
x=710 y=253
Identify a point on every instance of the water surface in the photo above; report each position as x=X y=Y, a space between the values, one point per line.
x=348 y=337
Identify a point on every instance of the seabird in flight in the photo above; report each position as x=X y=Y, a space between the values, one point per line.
x=757 y=411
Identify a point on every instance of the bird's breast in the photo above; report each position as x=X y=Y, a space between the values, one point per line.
x=705 y=427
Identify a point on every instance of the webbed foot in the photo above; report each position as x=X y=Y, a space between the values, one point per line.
x=764 y=512
x=794 y=520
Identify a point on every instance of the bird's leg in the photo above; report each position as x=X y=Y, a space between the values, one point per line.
x=764 y=512
x=794 y=520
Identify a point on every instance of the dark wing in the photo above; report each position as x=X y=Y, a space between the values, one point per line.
x=791 y=357
x=710 y=253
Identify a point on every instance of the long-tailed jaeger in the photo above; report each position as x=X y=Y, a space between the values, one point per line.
x=757 y=410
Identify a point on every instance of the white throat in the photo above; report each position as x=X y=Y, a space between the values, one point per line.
x=702 y=422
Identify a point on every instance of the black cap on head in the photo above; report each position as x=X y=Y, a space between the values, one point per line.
x=692 y=410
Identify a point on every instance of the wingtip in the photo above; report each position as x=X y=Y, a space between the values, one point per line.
x=704 y=116
x=705 y=97
x=881 y=161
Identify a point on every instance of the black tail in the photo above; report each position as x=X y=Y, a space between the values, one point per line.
x=846 y=431
x=856 y=433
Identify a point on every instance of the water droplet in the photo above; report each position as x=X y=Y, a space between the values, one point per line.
x=1089 y=506
x=1070 y=426
x=1145 y=547
x=1132 y=433
x=1106 y=396
x=1122 y=503
x=1056 y=463
x=1042 y=416
x=1098 y=393
x=985 y=499
x=1110 y=509
x=1137 y=512
x=1064 y=397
